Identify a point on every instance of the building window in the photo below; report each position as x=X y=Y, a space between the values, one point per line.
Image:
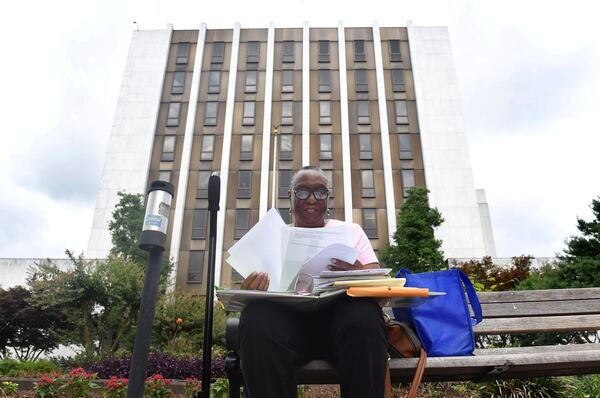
x=395 y=51
x=288 y=51
x=359 y=51
x=199 y=223
x=202 y=191
x=196 y=266
x=368 y=183
x=208 y=147
x=253 y=51
x=183 y=50
x=330 y=214
x=236 y=278
x=247 y=147
x=173 y=114
x=248 y=116
x=369 y=218
x=251 y=79
x=244 y=184
x=164 y=175
x=405 y=146
x=285 y=179
x=362 y=108
x=285 y=214
x=214 y=81
x=218 y=50
x=210 y=116
x=242 y=222
x=324 y=112
x=398 y=85
x=362 y=84
x=287 y=113
x=178 y=83
x=324 y=81
x=168 y=149
x=323 y=50
x=408 y=181
x=287 y=81
x=329 y=175
x=401 y=112
x=365 y=147
x=325 y=152
x=285 y=147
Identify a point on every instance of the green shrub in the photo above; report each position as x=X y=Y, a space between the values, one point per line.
x=586 y=386
x=8 y=388
x=542 y=387
x=14 y=368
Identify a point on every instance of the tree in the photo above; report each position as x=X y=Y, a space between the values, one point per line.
x=126 y=226
x=125 y=230
x=26 y=328
x=101 y=298
x=415 y=246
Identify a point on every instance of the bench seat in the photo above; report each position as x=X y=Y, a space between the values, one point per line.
x=513 y=312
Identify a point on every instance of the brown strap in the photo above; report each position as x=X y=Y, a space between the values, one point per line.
x=418 y=375
x=388 y=382
x=416 y=382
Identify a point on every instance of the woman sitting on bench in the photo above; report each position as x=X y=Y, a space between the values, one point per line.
x=275 y=340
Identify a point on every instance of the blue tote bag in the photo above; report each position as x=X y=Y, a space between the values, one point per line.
x=444 y=324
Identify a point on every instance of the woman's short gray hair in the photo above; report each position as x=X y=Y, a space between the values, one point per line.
x=308 y=170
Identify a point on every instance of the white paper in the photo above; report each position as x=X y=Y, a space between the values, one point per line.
x=259 y=250
x=313 y=267
x=302 y=244
x=355 y=272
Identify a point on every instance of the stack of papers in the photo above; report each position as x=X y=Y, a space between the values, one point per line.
x=341 y=280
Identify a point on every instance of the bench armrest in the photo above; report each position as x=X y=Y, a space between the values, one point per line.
x=231 y=334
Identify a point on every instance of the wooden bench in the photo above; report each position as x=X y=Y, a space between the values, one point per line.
x=506 y=313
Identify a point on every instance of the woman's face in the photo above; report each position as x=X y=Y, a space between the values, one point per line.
x=310 y=212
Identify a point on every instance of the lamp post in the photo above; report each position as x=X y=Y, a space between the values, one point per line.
x=152 y=239
x=275 y=147
x=214 y=194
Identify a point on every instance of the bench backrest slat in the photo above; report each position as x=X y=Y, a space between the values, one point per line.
x=539 y=295
x=538 y=324
x=541 y=308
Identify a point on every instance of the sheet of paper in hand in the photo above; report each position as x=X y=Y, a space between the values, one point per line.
x=285 y=252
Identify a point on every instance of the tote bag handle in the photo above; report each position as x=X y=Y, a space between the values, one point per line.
x=471 y=294
x=473 y=299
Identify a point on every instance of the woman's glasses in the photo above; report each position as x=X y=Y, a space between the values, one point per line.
x=304 y=193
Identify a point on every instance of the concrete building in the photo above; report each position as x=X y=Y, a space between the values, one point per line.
x=377 y=108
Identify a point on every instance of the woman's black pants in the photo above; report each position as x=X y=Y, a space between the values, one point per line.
x=276 y=339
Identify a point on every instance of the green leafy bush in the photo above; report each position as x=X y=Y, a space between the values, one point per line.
x=8 y=388
x=14 y=368
x=543 y=387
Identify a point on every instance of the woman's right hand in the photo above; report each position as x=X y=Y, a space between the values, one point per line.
x=256 y=281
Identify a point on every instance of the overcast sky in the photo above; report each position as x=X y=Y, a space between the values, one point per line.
x=528 y=72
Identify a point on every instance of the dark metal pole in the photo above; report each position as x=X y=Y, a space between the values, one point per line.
x=152 y=239
x=214 y=193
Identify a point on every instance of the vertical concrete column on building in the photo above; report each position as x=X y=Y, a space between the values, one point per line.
x=132 y=134
x=186 y=156
x=345 y=124
x=444 y=145
x=266 y=141
x=305 y=94
x=226 y=153
x=486 y=223
x=390 y=205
